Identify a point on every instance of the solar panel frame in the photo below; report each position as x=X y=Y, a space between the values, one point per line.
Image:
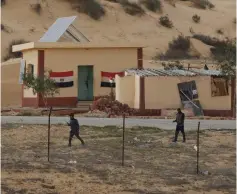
x=58 y=28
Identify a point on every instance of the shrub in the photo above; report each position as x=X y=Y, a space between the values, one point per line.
x=178 y=49
x=36 y=7
x=153 y=5
x=220 y=31
x=90 y=7
x=11 y=54
x=3 y=2
x=218 y=46
x=172 y=65
x=181 y=42
x=2 y=27
x=203 y=4
x=165 y=21
x=211 y=41
x=196 y=18
x=132 y=8
x=114 y=1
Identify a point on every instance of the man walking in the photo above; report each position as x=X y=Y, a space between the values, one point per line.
x=74 y=125
x=180 y=125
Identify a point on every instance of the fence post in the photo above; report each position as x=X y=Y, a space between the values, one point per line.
x=50 y=110
x=123 y=140
x=198 y=147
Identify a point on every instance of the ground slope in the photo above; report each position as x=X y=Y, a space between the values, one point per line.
x=116 y=25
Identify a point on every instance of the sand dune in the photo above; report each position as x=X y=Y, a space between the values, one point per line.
x=116 y=25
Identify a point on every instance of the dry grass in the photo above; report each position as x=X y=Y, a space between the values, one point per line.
x=152 y=164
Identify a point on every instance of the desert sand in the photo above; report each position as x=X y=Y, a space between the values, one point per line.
x=22 y=22
x=116 y=25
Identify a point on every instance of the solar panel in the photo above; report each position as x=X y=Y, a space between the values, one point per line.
x=59 y=27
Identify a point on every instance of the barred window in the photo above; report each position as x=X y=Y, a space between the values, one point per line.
x=219 y=86
x=30 y=69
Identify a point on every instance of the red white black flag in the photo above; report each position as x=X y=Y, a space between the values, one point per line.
x=62 y=79
x=107 y=78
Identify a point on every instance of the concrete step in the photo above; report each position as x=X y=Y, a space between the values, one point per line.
x=84 y=105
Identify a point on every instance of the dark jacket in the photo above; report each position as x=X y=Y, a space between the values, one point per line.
x=74 y=125
x=180 y=119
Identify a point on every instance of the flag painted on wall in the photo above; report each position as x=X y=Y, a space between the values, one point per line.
x=106 y=78
x=63 y=79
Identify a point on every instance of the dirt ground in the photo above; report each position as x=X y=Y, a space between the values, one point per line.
x=152 y=164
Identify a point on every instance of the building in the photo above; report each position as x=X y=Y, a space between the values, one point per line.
x=11 y=90
x=154 y=90
x=81 y=65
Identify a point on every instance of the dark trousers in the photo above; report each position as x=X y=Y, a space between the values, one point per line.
x=178 y=129
x=77 y=135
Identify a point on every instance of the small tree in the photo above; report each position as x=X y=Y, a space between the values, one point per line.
x=227 y=64
x=45 y=87
x=227 y=59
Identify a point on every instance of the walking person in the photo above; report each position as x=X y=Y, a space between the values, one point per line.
x=180 y=125
x=74 y=125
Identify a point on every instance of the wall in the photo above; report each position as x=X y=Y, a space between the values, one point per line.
x=162 y=92
x=31 y=57
x=11 y=90
x=125 y=90
x=137 y=92
x=110 y=60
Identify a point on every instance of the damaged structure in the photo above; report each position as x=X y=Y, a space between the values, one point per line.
x=202 y=92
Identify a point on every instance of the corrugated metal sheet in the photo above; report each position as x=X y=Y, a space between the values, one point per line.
x=58 y=28
x=175 y=72
x=206 y=72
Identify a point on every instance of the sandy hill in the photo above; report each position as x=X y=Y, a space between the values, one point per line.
x=22 y=22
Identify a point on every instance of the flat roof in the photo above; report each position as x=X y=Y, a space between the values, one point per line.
x=71 y=45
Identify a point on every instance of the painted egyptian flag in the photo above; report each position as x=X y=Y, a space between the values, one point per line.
x=107 y=78
x=63 y=79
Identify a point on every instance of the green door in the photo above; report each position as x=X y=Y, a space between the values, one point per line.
x=85 y=83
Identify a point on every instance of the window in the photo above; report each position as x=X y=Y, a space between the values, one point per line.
x=30 y=69
x=219 y=86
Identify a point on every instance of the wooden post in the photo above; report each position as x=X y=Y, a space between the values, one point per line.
x=123 y=140
x=198 y=147
x=50 y=110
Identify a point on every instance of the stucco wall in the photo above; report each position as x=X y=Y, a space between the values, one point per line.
x=11 y=90
x=109 y=60
x=137 y=92
x=162 y=92
x=31 y=57
x=125 y=90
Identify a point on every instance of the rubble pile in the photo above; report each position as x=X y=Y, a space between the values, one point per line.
x=112 y=107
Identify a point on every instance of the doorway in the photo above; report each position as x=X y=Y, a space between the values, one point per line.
x=85 y=83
